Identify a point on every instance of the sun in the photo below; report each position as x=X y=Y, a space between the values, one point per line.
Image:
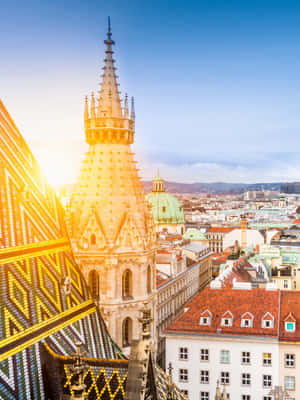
x=56 y=168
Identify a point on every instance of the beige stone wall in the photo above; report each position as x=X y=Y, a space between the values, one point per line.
x=290 y=348
x=113 y=306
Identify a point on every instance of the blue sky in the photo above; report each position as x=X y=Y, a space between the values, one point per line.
x=217 y=83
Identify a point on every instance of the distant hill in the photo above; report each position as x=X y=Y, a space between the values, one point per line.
x=215 y=187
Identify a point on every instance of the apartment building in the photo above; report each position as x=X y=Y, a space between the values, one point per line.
x=244 y=337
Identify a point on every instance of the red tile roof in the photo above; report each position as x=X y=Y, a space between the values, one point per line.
x=160 y=281
x=296 y=221
x=256 y=301
x=290 y=307
x=220 y=229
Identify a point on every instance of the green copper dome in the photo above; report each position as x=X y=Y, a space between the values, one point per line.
x=166 y=209
x=194 y=234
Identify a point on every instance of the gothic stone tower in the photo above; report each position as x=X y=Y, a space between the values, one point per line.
x=111 y=226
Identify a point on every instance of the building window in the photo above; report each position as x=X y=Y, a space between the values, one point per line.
x=267 y=381
x=127 y=332
x=285 y=284
x=246 y=323
x=267 y=398
x=246 y=379
x=226 y=322
x=268 y=321
x=289 y=382
x=224 y=357
x=290 y=326
x=267 y=359
x=94 y=284
x=204 y=355
x=93 y=239
x=205 y=321
x=185 y=392
x=246 y=397
x=289 y=360
x=247 y=320
x=204 y=376
x=246 y=357
x=127 y=284
x=204 y=396
x=183 y=353
x=183 y=375
x=225 y=378
x=205 y=318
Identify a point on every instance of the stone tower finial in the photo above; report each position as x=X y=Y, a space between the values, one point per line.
x=218 y=391
x=126 y=106
x=171 y=386
x=86 y=109
x=132 y=115
x=224 y=393
x=78 y=368
x=93 y=109
x=146 y=322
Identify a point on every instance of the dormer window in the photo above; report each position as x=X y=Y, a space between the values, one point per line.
x=268 y=321
x=205 y=318
x=247 y=320
x=204 y=321
x=227 y=319
x=290 y=326
x=226 y=322
x=290 y=323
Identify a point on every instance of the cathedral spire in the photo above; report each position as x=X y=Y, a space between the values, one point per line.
x=107 y=122
x=109 y=104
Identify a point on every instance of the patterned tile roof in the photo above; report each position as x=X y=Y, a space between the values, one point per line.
x=43 y=293
x=256 y=301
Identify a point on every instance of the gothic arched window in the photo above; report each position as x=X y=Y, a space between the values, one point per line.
x=127 y=284
x=93 y=239
x=149 y=279
x=94 y=284
x=127 y=332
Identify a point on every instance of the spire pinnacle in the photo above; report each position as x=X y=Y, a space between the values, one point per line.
x=86 y=109
x=132 y=115
x=109 y=41
x=93 y=111
x=106 y=109
x=109 y=104
x=126 y=106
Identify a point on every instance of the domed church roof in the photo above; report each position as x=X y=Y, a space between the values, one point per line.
x=166 y=209
x=194 y=234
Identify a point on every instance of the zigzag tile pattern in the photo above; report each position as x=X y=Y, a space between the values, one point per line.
x=43 y=295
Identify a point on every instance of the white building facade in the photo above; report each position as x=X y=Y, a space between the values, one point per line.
x=247 y=339
x=247 y=366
